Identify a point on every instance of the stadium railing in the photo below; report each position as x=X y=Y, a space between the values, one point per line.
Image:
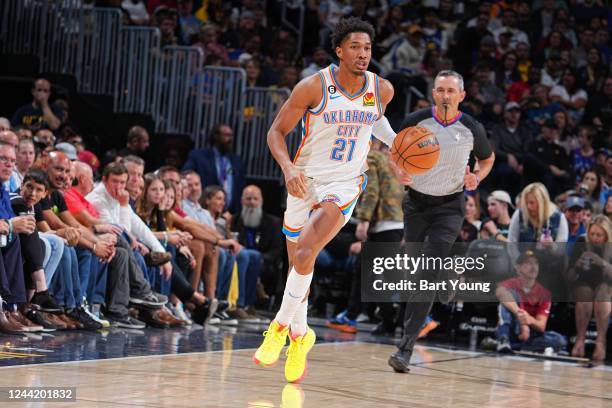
x=138 y=84
x=223 y=89
x=99 y=52
x=261 y=106
x=182 y=90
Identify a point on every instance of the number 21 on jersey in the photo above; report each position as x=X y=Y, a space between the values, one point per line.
x=339 y=151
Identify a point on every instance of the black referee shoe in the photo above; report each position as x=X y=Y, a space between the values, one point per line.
x=400 y=360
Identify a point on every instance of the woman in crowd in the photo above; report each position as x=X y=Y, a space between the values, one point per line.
x=590 y=275
x=538 y=220
x=154 y=207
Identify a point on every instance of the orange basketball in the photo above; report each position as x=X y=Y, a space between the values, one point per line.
x=415 y=149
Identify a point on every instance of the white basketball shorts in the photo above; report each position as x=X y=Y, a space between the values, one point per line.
x=343 y=193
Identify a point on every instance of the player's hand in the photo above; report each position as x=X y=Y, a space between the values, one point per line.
x=296 y=182
x=470 y=180
x=402 y=176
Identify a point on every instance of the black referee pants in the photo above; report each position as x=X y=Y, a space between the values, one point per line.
x=436 y=222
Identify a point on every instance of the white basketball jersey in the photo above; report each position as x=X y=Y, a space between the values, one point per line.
x=336 y=134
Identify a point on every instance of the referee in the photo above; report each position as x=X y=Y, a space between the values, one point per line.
x=434 y=205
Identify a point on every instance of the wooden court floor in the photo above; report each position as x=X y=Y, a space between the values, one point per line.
x=348 y=374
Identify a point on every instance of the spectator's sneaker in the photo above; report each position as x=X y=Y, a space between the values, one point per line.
x=202 y=314
x=9 y=326
x=489 y=344
x=224 y=319
x=342 y=323
x=242 y=316
x=362 y=318
x=253 y=313
x=384 y=329
x=45 y=302
x=165 y=314
x=274 y=340
x=39 y=319
x=503 y=345
x=151 y=300
x=125 y=322
x=179 y=313
x=28 y=325
x=296 y=366
x=431 y=325
x=96 y=315
x=71 y=324
x=56 y=320
x=82 y=315
x=222 y=306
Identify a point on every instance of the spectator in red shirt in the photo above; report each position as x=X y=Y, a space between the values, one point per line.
x=524 y=309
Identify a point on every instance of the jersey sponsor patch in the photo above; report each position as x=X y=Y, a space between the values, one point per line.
x=368 y=99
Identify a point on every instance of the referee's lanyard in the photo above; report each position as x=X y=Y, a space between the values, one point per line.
x=224 y=171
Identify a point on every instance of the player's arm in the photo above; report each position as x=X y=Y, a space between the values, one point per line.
x=306 y=94
x=381 y=129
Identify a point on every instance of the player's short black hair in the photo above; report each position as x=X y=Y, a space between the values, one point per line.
x=350 y=25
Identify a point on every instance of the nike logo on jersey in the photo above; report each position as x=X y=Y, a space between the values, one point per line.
x=334 y=96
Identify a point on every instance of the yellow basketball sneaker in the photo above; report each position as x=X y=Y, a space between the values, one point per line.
x=274 y=340
x=296 y=366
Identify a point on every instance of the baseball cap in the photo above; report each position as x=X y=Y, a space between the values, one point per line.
x=89 y=158
x=512 y=105
x=526 y=254
x=68 y=149
x=502 y=196
x=574 y=202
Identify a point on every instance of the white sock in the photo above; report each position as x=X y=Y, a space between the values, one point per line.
x=299 y=324
x=295 y=290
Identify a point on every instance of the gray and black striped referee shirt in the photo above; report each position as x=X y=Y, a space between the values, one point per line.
x=457 y=139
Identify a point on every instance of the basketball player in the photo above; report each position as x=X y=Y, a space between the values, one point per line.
x=434 y=205
x=340 y=108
